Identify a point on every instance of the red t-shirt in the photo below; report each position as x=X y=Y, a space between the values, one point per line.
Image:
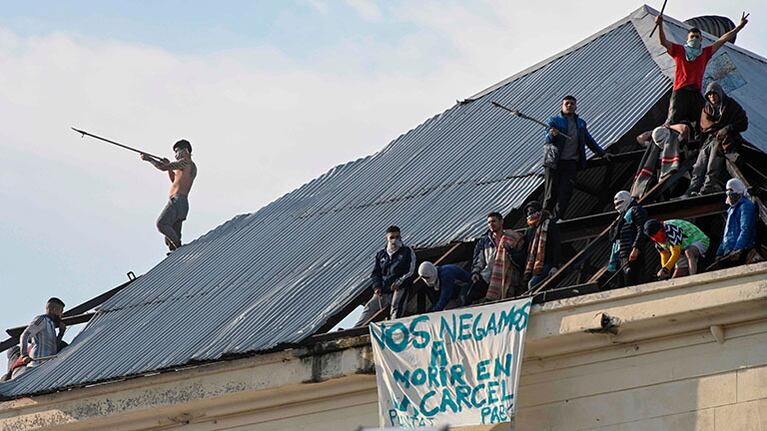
x=689 y=72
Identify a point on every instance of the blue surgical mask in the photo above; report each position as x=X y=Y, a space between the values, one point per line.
x=694 y=43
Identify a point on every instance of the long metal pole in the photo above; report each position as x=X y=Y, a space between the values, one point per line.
x=661 y=14
x=84 y=133
x=516 y=113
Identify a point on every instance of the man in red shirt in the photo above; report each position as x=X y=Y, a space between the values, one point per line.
x=691 y=60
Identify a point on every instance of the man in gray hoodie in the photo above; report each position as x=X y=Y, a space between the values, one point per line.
x=721 y=122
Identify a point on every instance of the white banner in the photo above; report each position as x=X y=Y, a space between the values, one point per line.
x=456 y=367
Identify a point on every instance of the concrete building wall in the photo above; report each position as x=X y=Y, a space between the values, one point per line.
x=687 y=354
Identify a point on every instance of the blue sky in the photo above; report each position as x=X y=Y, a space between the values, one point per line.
x=271 y=94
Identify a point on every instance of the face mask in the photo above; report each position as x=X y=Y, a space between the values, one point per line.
x=733 y=198
x=534 y=218
x=694 y=43
x=659 y=237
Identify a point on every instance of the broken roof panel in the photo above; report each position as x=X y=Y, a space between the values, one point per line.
x=271 y=278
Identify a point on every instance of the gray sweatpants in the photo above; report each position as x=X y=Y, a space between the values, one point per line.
x=394 y=300
x=709 y=174
x=171 y=218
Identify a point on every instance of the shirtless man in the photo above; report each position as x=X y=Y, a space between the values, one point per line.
x=182 y=173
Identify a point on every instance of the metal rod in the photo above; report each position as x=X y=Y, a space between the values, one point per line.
x=661 y=14
x=516 y=113
x=84 y=133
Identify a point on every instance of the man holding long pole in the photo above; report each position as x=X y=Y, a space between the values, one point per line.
x=182 y=173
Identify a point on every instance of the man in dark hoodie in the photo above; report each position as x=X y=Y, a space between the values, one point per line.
x=392 y=275
x=691 y=60
x=628 y=238
x=721 y=122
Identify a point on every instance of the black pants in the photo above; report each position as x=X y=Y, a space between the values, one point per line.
x=476 y=291
x=685 y=106
x=559 y=184
x=632 y=273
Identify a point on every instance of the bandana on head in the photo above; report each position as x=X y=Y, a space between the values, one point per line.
x=735 y=191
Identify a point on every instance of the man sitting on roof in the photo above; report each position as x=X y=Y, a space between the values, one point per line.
x=392 y=275
x=680 y=243
x=691 y=60
x=41 y=333
x=664 y=146
x=448 y=280
x=740 y=230
x=564 y=156
x=721 y=122
x=628 y=238
x=544 y=249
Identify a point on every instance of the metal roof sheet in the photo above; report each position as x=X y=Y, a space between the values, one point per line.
x=273 y=277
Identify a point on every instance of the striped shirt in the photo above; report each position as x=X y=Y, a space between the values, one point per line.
x=42 y=334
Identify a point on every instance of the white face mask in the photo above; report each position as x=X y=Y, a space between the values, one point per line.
x=392 y=245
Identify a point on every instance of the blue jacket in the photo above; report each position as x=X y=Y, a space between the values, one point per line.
x=740 y=229
x=448 y=288
x=584 y=137
x=398 y=267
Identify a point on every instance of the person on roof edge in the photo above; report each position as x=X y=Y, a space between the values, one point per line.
x=628 y=238
x=681 y=246
x=721 y=122
x=448 y=280
x=691 y=60
x=41 y=334
x=182 y=173
x=564 y=156
x=544 y=252
x=392 y=275
x=484 y=256
x=740 y=229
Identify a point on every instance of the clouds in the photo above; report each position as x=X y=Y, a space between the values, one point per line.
x=263 y=117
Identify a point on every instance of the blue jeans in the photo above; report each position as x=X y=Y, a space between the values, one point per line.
x=537 y=279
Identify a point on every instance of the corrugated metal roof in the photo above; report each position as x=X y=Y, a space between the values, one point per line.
x=271 y=278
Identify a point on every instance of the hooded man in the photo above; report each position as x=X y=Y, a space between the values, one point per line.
x=628 y=239
x=740 y=229
x=680 y=244
x=691 y=60
x=447 y=280
x=663 y=146
x=544 y=249
x=721 y=121
x=564 y=156
x=39 y=340
x=392 y=275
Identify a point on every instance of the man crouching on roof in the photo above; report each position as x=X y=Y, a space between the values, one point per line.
x=41 y=334
x=392 y=276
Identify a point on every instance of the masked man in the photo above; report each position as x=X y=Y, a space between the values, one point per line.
x=182 y=173
x=691 y=60
x=448 y=280
x=628 y=238
x=740 y=230
x=544 y=252
x=392 y=275
x=681 y=245
x=721 y=122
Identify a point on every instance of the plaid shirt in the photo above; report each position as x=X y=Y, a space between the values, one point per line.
x=42 y=332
